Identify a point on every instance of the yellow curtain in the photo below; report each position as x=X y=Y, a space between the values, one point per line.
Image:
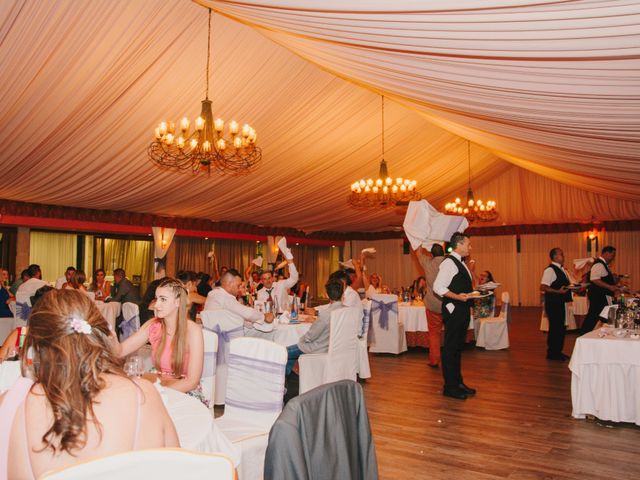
x=627 y=260
x=54 y=252
x=498 y=255
x=234 y=253
x=134 y=256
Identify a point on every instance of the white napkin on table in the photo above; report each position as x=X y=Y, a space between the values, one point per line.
x=424 y=225
x=282 y=245
x=257 y=261
x=263 y=327
x=579 y=263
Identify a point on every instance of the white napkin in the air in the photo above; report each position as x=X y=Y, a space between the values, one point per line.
x=257 y=261
x=369 y=251
x=579 y=263
x=348 y=264
x=282 y=245
x=424 y=225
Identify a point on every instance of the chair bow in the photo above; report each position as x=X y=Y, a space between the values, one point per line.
x=23 y=310
x=128 y=327
x=224 y=337
x=384 y=309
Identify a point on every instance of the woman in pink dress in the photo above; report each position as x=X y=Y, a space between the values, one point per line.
x=75 y=402
x=177 y=344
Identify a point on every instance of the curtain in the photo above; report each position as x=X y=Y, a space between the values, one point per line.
x=134 y=256
x=235 y=253
x=54 y=252
x=498 y=255
x=162 y=238
x=627 y=260
x=192 y=254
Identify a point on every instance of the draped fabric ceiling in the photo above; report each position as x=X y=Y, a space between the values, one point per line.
x=548 y=92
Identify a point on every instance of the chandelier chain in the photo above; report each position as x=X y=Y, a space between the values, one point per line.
x=382 y=126
x=208 y=54
x=469 y=161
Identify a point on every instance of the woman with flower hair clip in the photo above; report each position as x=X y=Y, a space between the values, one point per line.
x=75 y=401
x=177 y=344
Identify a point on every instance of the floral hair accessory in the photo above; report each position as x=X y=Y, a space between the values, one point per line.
x=80 y=325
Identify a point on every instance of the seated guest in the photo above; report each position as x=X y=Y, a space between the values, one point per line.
x=5 y=294
x=66 y=278
x=188 y=280
x=34 y=281
x=484 y=307
x=419 y=288
x=123 y=290
x=24 y=276
x=243 y=295
x=12 y=345
x=350 y=297
x=316 y=340
x=177 y=345
x=203 y=284
x=100 y=285
x=77 y=281
x=254 y=283
x=85 y=410
x=278 y=291
x=224 y=297
x=148 y=301
x=372 y=284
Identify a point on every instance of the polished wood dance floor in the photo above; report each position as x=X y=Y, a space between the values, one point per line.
x=518 y=426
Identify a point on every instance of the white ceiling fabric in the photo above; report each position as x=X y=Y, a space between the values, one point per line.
x=552 y=88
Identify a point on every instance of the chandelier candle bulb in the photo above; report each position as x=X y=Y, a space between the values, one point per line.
x=246 y=130
x=168 y=139
x=163 y=128
x=237 y=142
x=233 y=127
x=221 y=144
x=206 y=146
x=388 y=181
x=180 y=142
x=184 y=124
x=158 y=134
x=375 y=189
x=199 y=123
x=194 y=144
x=218 y=125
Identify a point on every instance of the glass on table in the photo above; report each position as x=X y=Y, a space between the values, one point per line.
x=133 y=366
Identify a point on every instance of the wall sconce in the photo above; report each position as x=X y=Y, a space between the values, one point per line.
x=591 y=236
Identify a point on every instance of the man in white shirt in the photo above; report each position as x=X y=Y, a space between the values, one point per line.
x=554 y=283
x=34 y=283
x=224 y=297
x=65 y=278
x=278 y=291
x=603 y=286
x=454 y=283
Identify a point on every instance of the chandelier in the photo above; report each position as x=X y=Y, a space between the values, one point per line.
x=205 y=146
x=473 y=209
x=384 y=191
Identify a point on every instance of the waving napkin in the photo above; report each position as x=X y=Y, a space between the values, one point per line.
x=282 y=245
x=257 y=261
x=368 y=251
x=424 y=225
x=348 y=264
x=580 y=263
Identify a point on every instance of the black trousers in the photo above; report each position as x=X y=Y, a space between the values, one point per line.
x=596 y=304
x=456 y=324
x=555 y=338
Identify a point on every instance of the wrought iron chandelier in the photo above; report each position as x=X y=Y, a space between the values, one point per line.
x=473 y=209
x=206 y=147
x=384 y=191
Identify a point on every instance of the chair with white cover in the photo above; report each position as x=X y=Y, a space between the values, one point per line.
x=208 y=377
x=340 y=362
x=131 y=320
x=364 y=370
x=493 y=332
x=153 y=463
x=253 y=400
x=227 y=326
x=23 y=309
x=388 y=331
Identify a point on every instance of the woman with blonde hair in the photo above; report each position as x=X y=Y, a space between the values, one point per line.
x=74 y=401
x=177 y=344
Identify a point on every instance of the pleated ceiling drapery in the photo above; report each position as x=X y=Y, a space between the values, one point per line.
x=547 y=88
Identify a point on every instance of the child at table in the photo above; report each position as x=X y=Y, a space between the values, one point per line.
x=76 y=403
x=177 y=344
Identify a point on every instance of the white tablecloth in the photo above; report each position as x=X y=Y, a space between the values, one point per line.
x=110 y=311
x=605 y=380
x=6 y=327
x=9 y=373
x=196 y=427
x=289 y=334
x=414 y=318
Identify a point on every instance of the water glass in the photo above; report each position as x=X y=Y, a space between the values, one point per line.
x=132 y=366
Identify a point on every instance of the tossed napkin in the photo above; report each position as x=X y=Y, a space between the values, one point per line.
x=348 y=264
x=424 y=225
x=369 y=251
x=257 y=261
x=282 y=245
x=580 y=263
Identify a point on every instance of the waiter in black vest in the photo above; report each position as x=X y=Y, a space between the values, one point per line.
x=554 y=283
x=603 y=285
x=453 y=283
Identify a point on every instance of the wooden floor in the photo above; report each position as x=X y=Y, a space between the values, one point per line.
x=518 y=426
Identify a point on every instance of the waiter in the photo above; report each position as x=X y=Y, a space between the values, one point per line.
x=453 y=283
x=554 y=283
x=603 y=285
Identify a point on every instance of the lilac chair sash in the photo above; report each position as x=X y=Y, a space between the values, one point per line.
x=384 y=309
x=224 y=337
x=23 y=310
x=254 y=384
x=209 y=365
x=129 y=327
x=366 y=320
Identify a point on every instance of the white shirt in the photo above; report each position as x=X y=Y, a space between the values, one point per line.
x=279 y=290
x=598 y=270
x=350 y=298
x=220 y=298
x=549 y=275
x=448 y=269
x=30 y=286
x=372 y=291
x=60 y=282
